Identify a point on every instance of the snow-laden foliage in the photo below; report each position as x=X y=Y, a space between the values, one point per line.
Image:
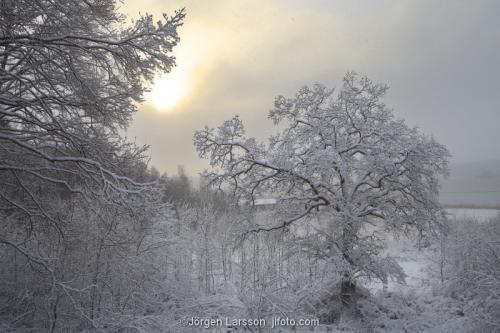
x=76 y=200
x=70 y=75
x=91 y=240
x=389 y=313
x=341 y=155
x=471 y=271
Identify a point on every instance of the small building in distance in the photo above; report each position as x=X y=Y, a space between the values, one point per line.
x=265 y=203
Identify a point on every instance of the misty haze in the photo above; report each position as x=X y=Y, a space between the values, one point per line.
x=243 y=166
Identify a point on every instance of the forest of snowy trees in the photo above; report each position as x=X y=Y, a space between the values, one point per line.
x=92 y=239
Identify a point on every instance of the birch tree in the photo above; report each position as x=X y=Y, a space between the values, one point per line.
x=341 y=155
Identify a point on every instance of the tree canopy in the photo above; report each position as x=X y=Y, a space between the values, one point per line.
x=342 y=155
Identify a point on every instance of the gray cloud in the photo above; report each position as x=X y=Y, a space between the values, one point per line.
x=441 y=60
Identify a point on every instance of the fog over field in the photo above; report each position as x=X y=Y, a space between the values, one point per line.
x=473 y=183
x=239 y=166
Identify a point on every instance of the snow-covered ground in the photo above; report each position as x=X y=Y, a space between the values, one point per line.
x=415 y=262
x=421 y=304
x=412 y=260
x=418 y=305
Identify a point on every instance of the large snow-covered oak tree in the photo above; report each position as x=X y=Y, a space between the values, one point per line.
x=343 y=156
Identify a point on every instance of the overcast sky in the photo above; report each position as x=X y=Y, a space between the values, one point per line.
x=440 y=58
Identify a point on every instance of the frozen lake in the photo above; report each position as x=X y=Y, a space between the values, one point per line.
x=480 y=214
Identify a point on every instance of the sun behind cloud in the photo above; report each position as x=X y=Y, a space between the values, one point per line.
x=167 y=91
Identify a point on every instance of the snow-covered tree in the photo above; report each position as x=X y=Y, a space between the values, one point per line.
x=74 y=196
x=71 y=75
x=340 y=156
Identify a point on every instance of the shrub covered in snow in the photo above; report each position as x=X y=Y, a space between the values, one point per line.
x=472 y=271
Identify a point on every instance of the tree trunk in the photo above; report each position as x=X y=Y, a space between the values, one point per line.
x=347 y=292
x=347 y=285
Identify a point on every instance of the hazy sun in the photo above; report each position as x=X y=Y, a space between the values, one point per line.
x=167 y=91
